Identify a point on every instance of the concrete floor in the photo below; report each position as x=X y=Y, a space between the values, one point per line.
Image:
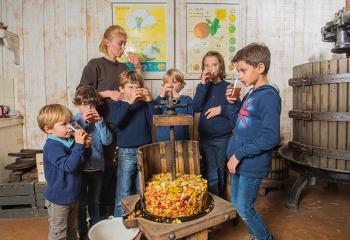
x=322 y=215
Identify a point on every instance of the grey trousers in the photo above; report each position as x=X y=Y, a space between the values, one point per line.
x=62 y=221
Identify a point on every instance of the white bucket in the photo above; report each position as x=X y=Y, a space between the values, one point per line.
x=112 y=229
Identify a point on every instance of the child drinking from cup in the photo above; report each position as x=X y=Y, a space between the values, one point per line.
x=173 y=83
x=63 y=161
x=86 y=99
x=214 y=127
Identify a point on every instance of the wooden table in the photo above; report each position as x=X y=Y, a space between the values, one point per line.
x=197 y=229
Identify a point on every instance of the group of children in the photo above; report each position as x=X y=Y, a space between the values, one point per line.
x=235 y=134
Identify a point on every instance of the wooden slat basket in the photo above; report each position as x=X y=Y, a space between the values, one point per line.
x=155 y=158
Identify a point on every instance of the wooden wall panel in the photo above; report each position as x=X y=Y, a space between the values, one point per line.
x=12 y=16
x=76 y=45
x=55 y=51
x=97 y=20
x=57 y=38
x=34 y=69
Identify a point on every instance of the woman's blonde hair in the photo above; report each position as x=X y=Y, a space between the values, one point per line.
x=176 y=75
x=53 y=113
x=111 y=31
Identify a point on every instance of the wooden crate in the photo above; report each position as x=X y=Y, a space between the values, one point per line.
x=17 y=200
x=40 y=167
x=39 y=188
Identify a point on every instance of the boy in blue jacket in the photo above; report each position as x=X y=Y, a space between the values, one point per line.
x=214 y=127
x=64 y=159
x=256 y=133
x=133 y=117
x=87 y=99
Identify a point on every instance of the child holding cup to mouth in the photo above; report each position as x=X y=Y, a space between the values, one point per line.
x=86 y=99
x=215 y=126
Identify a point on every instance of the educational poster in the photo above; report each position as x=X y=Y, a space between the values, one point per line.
x=145 y=26
x=211 y=27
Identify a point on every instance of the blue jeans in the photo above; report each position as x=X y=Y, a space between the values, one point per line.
x=91 y=185
x=127 y=177
x=213 y=153
x=243 y=196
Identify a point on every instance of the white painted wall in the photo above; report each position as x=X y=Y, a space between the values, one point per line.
x=58 y=37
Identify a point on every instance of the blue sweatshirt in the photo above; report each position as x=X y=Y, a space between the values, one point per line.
x=133 y=122
x=207 y=96
x=63 y=162
x=101 y=136
x=181 y=132
x=257 y=131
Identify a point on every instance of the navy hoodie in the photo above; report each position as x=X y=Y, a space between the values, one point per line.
x=132 y=121
x=207 y=96
x=257 y=131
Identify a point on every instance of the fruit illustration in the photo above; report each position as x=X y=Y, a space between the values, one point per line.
x=161 y=66
x=232 y=29
x=213 y=25
x=231 y=67
x=196 y=66
x=201 y=30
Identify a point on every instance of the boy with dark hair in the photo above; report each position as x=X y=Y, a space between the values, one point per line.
x=133 y=118
x=64 y=159
x=256 y=133
x=86 y=99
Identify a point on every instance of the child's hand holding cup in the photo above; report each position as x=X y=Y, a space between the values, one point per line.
x=146 y=95
x=167 y=88
x=78 y=132
x=206 y=76
x=92 y=116
x=232 y=93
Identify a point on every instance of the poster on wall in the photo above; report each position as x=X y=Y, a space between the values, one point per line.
x=146 y=27
x=211 y=27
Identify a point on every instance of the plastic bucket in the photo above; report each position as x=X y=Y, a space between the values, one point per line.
x=112 y=229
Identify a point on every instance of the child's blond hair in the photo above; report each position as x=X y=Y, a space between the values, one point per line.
x=111 y=31
x=176 y=75
x=53 y=113
x=130 y=77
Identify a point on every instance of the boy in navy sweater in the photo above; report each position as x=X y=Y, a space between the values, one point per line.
x=63 y=163
x=256 y=133
x=214 y=125
x=173 y=82
x=133 y=118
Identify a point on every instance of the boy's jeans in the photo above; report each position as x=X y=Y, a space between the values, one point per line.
x=91 y=185
x=213 y=153
x=243 y=196
x=127 y=177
